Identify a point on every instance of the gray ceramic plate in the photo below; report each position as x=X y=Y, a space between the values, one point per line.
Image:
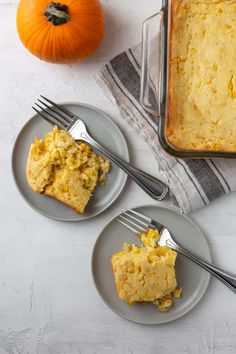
x=104 y=131
x=190 y=277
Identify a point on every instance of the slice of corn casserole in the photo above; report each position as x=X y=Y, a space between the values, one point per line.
x=64 y=169
x=146 y=274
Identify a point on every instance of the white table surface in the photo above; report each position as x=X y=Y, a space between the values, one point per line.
x=48 y=303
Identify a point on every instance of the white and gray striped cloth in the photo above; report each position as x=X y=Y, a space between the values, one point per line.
x=192 y=183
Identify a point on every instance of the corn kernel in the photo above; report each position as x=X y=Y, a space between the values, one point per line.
x=177 y=292
x=218 y=146
x=63 y=152
x=145 y=241
x=65 y=188
x=168 y=303
x=77 y=164
x=39 y=144
x=127 y=247
x=101 y=159
x=165 y=305
x=56 y=155
x=153 y=233
x=151 y=258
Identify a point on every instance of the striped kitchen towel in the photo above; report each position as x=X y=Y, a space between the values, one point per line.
x=192 y=183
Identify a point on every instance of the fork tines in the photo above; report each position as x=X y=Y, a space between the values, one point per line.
x=135 y=221
x=54 y=113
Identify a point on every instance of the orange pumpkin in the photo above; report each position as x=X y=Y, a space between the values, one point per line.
x=60 y=32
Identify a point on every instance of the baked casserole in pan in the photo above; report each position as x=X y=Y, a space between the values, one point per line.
x=197 y=97
x=202 y=75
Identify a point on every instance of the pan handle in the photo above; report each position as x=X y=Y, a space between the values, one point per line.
x=151 y=70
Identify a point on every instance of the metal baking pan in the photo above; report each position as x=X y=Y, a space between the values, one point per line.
x=154 y=80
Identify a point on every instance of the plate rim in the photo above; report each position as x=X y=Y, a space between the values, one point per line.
x=82 y=217
x=205 y=285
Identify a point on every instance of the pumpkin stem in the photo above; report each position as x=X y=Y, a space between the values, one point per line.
x=57 y=13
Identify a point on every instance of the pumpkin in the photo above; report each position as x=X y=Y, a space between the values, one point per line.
x=60 y=32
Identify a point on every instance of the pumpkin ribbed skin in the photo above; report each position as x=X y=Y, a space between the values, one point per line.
x=64 y=43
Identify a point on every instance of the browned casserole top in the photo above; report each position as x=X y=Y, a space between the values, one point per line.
x=202 y=75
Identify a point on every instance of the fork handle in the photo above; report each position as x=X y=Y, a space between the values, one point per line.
x=151 y=185
x=226 y=278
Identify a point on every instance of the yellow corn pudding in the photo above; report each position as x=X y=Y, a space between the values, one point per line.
x=202 y=80
x=65 y=169
x=146 y=274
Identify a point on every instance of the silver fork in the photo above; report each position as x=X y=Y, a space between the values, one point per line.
x=137 y=222
x=68 y=121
